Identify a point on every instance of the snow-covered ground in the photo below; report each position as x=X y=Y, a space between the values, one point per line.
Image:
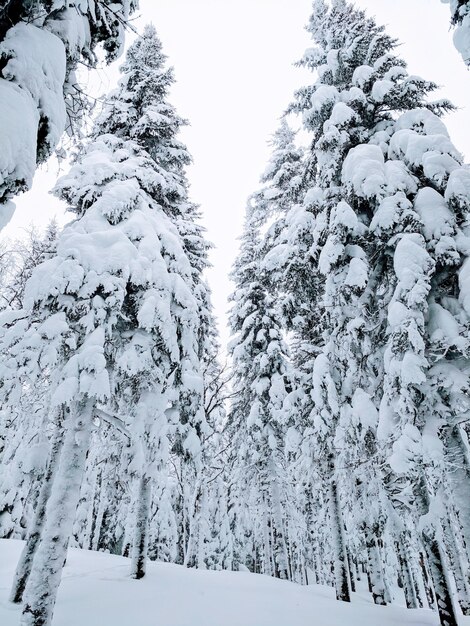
x=96 y=591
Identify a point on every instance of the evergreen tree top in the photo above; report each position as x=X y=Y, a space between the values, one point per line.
x=138 y=109
x=361 y=84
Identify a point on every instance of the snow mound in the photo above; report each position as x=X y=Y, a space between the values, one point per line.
x=96 y=590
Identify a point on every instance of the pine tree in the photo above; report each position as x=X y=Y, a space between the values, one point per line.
x=261 y=384
x=369 y=172
x=117 y=314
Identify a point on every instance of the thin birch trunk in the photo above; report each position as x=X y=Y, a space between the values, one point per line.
x=41 y=589
x=25 y=563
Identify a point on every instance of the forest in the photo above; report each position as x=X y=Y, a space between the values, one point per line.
x=328 y=444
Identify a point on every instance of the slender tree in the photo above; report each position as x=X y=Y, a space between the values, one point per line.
x=262 y=381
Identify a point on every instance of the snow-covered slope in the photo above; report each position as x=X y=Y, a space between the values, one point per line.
x=96 y=591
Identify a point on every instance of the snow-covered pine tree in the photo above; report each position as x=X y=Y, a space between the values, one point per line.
x=283 y=259
x=41 y=44
x=210 y=539
x=141 y=103
x=282 y=178
x=257 y=418
x=116 y=321
x=460 y=19
x=361 y=81
x=362 y=85
x=287 y=260
x=422 y=288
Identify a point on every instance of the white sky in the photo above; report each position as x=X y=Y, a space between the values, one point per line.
x=235 y=76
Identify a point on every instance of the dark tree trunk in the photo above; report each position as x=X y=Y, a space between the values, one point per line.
x=373 y=536
x=140 y=547
x=440 y=577
x=343 y=591
x=406 y=577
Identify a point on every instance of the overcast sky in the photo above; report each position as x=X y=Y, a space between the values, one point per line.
x=235 y=76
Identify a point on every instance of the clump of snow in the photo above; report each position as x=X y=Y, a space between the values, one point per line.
x=36 y=62
x=343 y=215
x=363 y=169
x=434 y=153
x=72 y=27
x=406 y=450
x=458 y=188
x=464 y=284
x=324 y=95
x=32 y=105
x=358 y=273
x=362 y=75
x=380 y=89
x=342 y=114
x=332 y=60
x=369 y=175
x=330 y=254
x=434 y=214
x=462 y=39
x=391 y=210
x=363 y=409
x=444 y=328
x=421 y=120
x=18 y=138
x=412 y=263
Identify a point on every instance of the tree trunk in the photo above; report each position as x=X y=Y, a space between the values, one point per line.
x=455 y=557
x=459 y=478
x=267 y=561
x=281 y=559
x=373 y=536
x=352 y=569
x=194 y=512
x=436 y=559
x=428 y=588
x=343 y=591
x=406 y=577
x=140 y=546
x=41 y=589
x=23 y=569
x=440 y=577
x=96 y=533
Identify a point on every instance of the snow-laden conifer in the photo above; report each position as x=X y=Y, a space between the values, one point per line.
x=257 y=419
x=112 y=317
x=359 y=145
